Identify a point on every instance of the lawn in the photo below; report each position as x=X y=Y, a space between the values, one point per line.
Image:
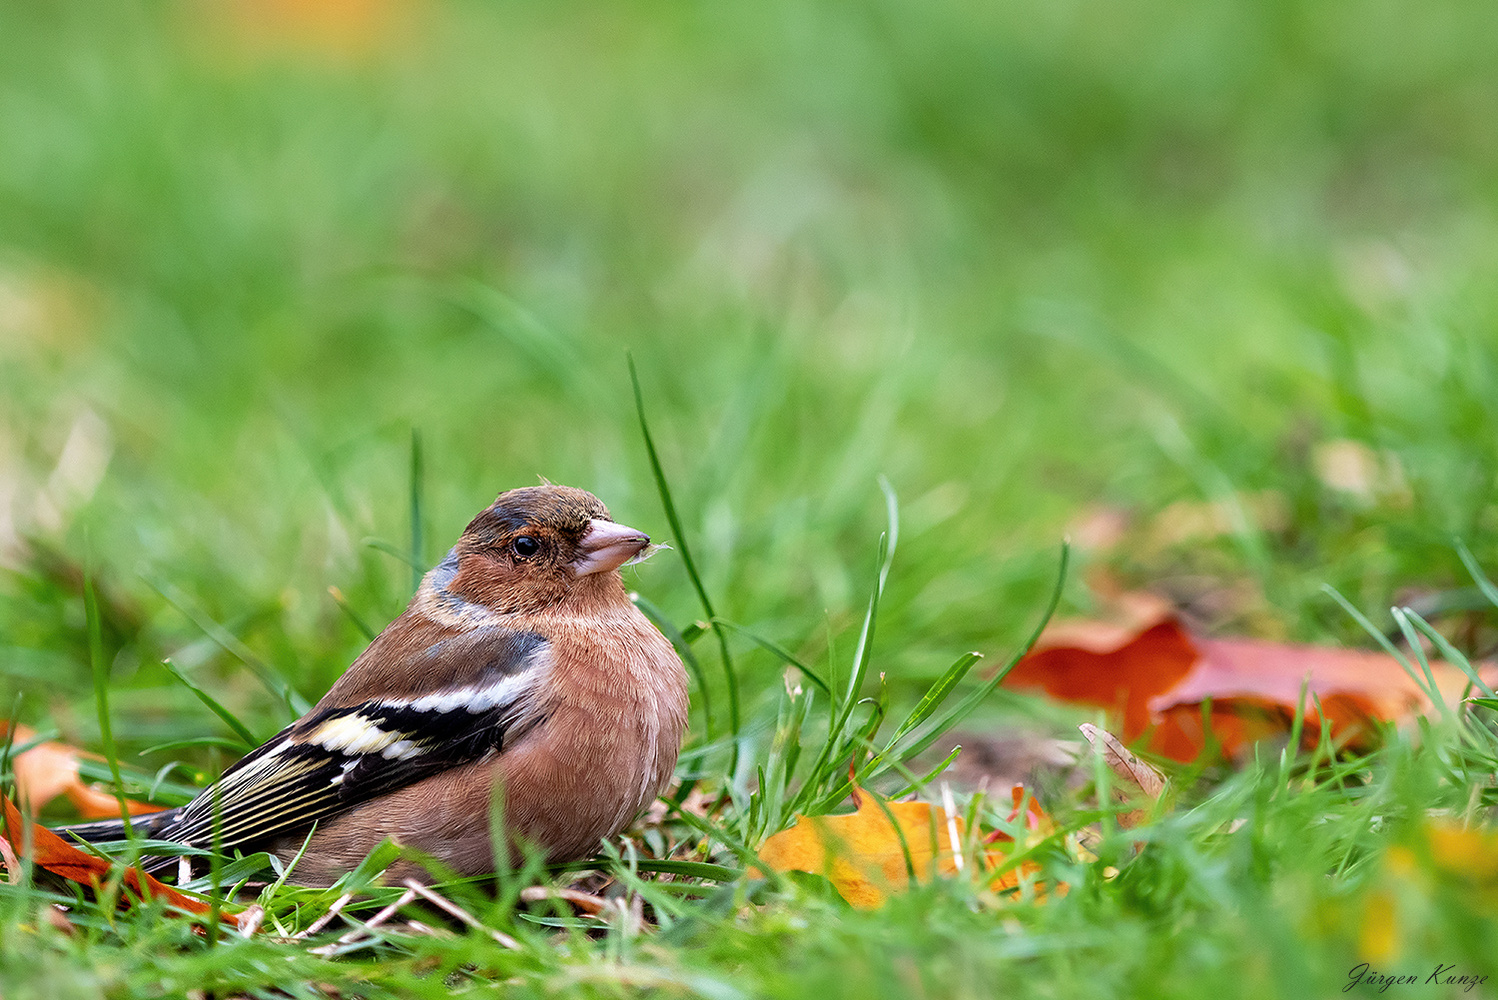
x=289 y=291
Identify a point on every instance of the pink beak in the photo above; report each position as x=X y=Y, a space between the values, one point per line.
x=607 y=546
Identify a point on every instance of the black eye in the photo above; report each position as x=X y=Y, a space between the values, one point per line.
x=525 y=546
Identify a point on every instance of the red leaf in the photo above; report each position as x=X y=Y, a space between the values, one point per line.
x=1123 y=678
x=52 y=853
x=1158 y=680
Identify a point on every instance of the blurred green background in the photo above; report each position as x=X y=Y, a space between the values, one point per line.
x=1049 y=267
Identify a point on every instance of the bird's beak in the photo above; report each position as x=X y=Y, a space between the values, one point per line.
x=608 y=546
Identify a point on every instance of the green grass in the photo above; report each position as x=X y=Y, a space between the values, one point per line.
x=272 y=322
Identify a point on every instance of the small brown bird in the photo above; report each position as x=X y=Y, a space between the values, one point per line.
x=520 y=663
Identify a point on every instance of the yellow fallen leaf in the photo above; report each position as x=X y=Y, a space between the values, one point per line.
x=877 y=849
x=861 y=854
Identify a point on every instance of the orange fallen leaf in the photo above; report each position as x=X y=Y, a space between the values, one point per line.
x=1038 y=825
x=51 y=853
x=864 y=855
x=1158 y=680
x=50 y=769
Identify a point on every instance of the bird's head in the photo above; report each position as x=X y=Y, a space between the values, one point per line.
x=540 y=545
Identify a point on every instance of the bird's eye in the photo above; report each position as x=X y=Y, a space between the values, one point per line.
x=525 y=546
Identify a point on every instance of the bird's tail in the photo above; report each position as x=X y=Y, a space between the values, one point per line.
x=151 y=826
x=105 y=830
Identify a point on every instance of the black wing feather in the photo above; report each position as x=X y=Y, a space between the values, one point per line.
x=293 y=780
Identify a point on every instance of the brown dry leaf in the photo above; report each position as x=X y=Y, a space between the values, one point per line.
x=1196 y=520
x=1158 y=680
x=1144 y=779
x=50 y=769
x=51 y=853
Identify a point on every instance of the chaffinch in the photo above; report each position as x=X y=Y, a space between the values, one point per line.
x=520 y=663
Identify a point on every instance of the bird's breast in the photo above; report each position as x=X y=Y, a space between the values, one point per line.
x=615 y=710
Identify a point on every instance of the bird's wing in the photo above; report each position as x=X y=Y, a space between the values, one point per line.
x=340 y=755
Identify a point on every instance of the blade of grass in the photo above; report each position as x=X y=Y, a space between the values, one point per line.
x=1449 y=652
x=354 y=616
x=972 y=701
x=240 y=730
x=418 y=563
x=7 y=750
x=691 y=869
x=1370 y=628
x=919 y=782
x=831 y=751
x=101 y=702
x=198 y=741
x=775 y=650
x=787 y=731
x=231 y=644
x=935 y=695
x=863 y=653
x=93 y=770
x=380 y=545
x=1489 y=590
x=894 y=824
x=1291 y=751
x=691 y=567
x=1412 y=637
x=716 y=832
x=822 y=774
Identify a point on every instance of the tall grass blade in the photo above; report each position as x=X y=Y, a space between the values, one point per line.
x=1450 y=653
x=353 y=616
x=1370 y=628
x=776 y=650
x=380 y=545
x=101 y=697
x=230 y=720
x=8 y=748
x=277 y=685
x=1489 y=590
x=691 y=567
x=935 y=695
x=222 y=742
x=915 y=784
x=972 y=701
x=418 y=483
x=832 y=746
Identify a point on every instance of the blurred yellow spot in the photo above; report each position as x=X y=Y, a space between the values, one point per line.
x=1470 y=854
x=1378 y=938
